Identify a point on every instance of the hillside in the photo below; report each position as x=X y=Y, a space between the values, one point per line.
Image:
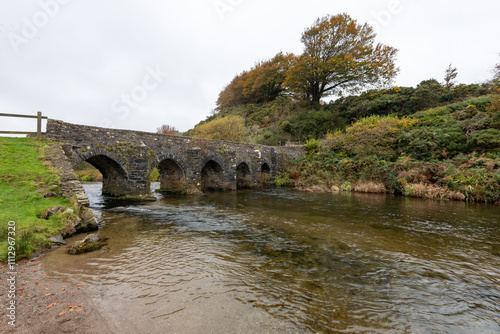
x=428 y=141
x=286 y=120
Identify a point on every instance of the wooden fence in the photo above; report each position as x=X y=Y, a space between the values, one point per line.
x=38 y=132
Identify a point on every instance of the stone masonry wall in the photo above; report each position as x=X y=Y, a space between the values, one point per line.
x=126 y=158
x=71 y=187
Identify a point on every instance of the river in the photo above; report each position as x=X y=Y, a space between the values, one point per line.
x=283 y=261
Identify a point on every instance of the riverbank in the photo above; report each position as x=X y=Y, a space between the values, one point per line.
x=431 y=154
x=465 y=178
x=45 y=304
x=40 y=197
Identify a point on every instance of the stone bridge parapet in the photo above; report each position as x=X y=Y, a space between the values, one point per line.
x=126 y=159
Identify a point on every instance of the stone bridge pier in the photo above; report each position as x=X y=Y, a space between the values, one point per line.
x=127 y=158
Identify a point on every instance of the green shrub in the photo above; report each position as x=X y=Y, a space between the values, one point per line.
x=312 y=146
x=482 y=140
x=371 y=135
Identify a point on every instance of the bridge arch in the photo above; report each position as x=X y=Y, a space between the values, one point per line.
x=265 y=169
x=212 y=175
x=265 y=177
x=243 y=175
x=172 y=173
x=113 y=170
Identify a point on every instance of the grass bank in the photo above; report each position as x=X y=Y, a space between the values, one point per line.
x=29 y=185
x=85 y=172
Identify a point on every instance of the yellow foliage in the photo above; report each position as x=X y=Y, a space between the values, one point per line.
x=374 y=134
x=227 y=128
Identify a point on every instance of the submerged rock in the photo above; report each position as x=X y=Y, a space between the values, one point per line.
x=89 y=244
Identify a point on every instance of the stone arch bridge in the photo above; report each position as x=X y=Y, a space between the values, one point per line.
x=186 y=165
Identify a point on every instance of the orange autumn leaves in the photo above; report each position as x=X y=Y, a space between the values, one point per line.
x=263 y=83
x=339 y=55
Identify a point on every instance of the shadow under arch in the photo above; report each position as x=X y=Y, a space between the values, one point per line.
x=243 y=176
x=265 y=177
x=212 y=178
x=172 y=176
x=114 y=177
x=264 y=168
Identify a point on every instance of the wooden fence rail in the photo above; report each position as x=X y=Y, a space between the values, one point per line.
x=38 y=132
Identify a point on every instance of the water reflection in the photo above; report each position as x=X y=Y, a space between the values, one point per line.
x=279 y=261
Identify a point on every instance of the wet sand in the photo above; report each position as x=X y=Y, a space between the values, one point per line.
x=45 y=304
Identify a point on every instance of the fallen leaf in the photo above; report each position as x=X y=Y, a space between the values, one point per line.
x=80 y=309
x=63 y=289
x=49 y=306
x=62 y=313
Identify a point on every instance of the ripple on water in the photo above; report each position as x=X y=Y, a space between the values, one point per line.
x=284 y=261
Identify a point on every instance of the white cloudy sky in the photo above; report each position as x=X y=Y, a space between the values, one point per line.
x=77 y=60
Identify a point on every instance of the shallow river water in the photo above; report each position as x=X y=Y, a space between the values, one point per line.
x=282 y=261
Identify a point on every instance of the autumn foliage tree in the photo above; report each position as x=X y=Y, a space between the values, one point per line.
x=167 y=130
x=226 y=128
x=339 y=55
x=266 y=79
x=263 y=83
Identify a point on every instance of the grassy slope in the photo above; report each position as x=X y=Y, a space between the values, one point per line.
x=453 y=151
x=287 y=121
x=24 y=178
x=432 y=157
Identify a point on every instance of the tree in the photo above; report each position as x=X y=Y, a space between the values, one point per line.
x=232 y=94
x=267 y=77
x=167 y=130
x=495 y=83
x=263 y=83
x=496 y=74
x=449 y=77
x=225 y=128
x=340 y=55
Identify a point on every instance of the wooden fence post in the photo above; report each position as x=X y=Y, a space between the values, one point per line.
x=39 y=125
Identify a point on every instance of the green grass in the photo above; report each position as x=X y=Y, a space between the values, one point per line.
x=85 y=172
x=25 y=177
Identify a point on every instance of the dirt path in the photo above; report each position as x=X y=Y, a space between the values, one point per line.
x=45 y=304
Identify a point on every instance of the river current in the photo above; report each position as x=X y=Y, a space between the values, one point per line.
x=283 y=261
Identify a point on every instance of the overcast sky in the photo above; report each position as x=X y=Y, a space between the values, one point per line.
x=140 y=64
